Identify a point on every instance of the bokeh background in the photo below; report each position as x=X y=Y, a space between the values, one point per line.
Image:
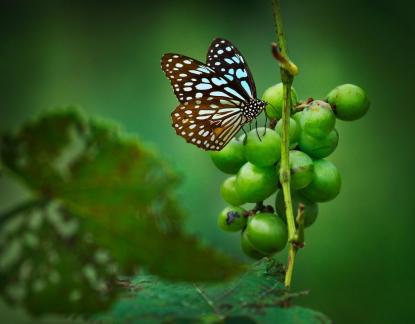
x=104 y=56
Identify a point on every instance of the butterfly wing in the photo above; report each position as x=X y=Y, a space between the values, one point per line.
x=210 y=110
x=210 y=129
x=224 y=57
x=185 y=75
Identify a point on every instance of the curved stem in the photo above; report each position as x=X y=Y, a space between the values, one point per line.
x=287 y=71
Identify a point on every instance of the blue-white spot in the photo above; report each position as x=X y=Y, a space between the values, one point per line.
x=218 y=81
x=206 y=112
x=203 y=86
x=219 y=94
x=203 y=69
x=231 y=71
x=228 y=61
x=245 y=85
x=233 y=92
x=229 y=77
x=241 y=73
x=236 y=59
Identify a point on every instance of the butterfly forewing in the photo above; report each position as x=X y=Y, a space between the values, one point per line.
x=225 y=58
x=185 y=75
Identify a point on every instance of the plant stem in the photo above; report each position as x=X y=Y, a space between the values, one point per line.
x=295 y=245
x=287 y=71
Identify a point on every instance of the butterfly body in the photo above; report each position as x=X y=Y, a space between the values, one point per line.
x=216 y=98
x=253 y=109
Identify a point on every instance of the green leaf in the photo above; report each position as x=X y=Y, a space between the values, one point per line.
x=48 y=264
x=119 y=191
x=257 y=296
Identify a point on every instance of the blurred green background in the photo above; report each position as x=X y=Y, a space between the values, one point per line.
x=104 y=56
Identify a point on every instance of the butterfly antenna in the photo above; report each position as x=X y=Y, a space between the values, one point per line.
x=268 y=103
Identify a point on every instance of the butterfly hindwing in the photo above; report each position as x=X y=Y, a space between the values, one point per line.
x=210 y=129
x=225 y=58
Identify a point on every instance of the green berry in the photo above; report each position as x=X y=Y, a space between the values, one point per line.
x=301 y=166
x=267 y=233
x=317 y=119
x=310 y=208
x=294 y=131
x=264 y=150
x=229 y=192
x=254 y=183
x=326 y=182
x=349 y=102
x=297 y=117
x=231 y=219
x=273 y=95
x=319 y=147
x=249 y=249
x=230 y=158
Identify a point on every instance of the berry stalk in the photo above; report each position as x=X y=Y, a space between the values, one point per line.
x=287 y=71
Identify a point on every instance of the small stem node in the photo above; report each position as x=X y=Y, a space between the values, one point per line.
x=284 y=61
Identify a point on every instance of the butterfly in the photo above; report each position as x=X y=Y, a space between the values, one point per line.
x=216 y=98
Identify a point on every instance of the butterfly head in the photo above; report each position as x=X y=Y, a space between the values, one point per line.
x=253 y=108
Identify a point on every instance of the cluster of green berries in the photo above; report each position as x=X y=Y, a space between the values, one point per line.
x=253 y=161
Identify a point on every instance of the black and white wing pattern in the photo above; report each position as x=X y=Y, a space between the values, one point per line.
x=224 y=57
x=210 y=110
x=213 y=105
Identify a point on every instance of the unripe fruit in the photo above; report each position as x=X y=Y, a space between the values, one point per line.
x=267 y=233
x=301 y=167
x=326 y=182
x=319 y=147
x=310 y=208
x=294 y=131
x=349 y=101
x=231 y=219
x=249 y=249
x=274 y=96
x=255 y=183
x=264 y=150
x=317 y=119
x=229 y=192
x=297 y=117
x=230 y=158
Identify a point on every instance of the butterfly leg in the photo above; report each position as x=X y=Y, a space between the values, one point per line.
x=256 y=129
x=265 y=126
x=246 y=135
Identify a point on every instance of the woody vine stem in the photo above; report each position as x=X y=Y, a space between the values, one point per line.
x=287 y=70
